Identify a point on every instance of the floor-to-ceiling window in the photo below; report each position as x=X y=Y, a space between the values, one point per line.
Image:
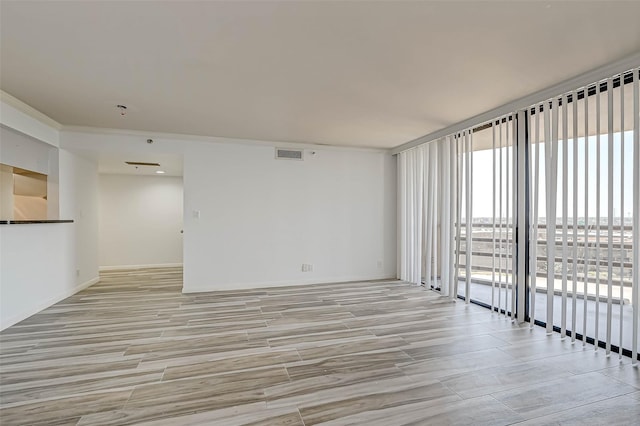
x=581 y=149
x=487 y=226
x=542 y=213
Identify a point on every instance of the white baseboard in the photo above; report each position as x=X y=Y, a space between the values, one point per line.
x=154 y=265
x=288 y=283
x=84 y=285
x=47 y=303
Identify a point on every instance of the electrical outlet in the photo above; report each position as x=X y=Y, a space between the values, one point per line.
x=306 y=267
x=379 y=264
x=77 y=273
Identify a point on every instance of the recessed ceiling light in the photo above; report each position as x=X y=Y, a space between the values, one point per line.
x=160 y=172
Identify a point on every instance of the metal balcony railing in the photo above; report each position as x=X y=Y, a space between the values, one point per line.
x=590 y=265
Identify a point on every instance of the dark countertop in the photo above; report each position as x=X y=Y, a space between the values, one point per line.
x=29 y=222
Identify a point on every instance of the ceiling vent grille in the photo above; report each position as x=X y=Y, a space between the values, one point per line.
x=141 y=163
x=289 y=154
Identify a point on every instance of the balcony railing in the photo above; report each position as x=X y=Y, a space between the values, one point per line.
x=591 y=264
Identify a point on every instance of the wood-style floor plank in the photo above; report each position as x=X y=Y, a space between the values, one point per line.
x=133 y=349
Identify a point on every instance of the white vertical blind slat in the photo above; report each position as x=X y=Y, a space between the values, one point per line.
x=428 y=217
x=586 y=215
x=597 y=315
x=493 y=218
x=574 y=287
x=469 y=247
x=500 y=236
x=443 y=206
x=409 y=215
x=551 y=165
x=411 y=196
x=437 y=190
x=514 y=216
x=505 y=225
x=609 y=213
x=636 y=216
x=622 y=249
x=534 y=215
x=404 y=232
x=453 y=154
x=459 y=186
x=565 y=211
x=509 y=271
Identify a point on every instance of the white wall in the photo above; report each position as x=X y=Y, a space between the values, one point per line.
x=261 y=218
x=37 y=268
x=38 y=262
x=79 y=201
x=140 y=220
x=23 y=151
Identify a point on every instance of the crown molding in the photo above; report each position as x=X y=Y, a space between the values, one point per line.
x=216 y=139
x=28 y=110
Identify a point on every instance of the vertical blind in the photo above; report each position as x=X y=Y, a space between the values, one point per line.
x=584 y=244
x=539 y=206
x=427 y=208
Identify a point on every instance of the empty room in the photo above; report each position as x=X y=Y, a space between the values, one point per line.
x=319 y=212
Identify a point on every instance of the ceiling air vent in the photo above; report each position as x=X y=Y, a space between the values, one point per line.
x=288 y=154
x=141 y=163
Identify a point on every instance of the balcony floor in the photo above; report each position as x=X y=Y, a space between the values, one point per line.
x=482 y=293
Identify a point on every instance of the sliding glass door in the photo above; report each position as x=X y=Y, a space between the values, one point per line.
x=581 y=151
x=487 y=220
x=535 y=214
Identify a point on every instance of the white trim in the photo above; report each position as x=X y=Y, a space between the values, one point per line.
x=288 y=283
x=151 y=265
x=581 y=80
x=86 y=284
x=47 y=303
x=15 y=119
x=28 y=110
x=146 y=134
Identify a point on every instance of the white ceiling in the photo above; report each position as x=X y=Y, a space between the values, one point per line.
x=372 y=74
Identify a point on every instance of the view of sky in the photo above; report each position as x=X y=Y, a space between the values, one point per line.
x=483 y=177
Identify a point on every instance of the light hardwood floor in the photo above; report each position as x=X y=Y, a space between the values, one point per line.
x=133 y=349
